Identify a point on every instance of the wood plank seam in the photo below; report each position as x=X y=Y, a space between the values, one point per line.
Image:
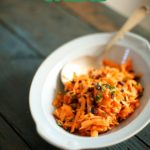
x=25 y=58
x=13 y=128
x=138 y=137
x=10 y=29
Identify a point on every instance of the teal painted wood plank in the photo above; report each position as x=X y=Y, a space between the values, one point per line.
x=9 y=140
x=44 y=27
x=131 y=144
x=12 y=47
x=144 y=135
x=15 y=80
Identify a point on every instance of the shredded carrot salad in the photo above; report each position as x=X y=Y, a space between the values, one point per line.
x=95 y=103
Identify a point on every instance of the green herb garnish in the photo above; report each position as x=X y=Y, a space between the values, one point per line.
x=112 y=92
x=98 y=98
x=107 y=86
x=112 y=87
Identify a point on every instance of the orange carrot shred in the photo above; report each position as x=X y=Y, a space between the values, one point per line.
x=98 y=101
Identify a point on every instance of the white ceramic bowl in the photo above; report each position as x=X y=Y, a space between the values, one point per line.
x=47 y=81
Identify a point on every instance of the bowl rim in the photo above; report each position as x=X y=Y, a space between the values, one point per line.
x=38 y=80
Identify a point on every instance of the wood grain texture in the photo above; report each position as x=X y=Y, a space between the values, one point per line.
x=12 y=47
x=16 y=78
x=131 y=144
x=94 y=14
x=9 y=140
x=101 y=17
x=44 y=26
x=144 y=135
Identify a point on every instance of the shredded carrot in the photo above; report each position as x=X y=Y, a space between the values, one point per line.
x=110 y=63
x=79 y=112
x=98 y=101
x=94 y=133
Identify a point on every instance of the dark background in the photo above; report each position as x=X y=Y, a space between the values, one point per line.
x=29 y=31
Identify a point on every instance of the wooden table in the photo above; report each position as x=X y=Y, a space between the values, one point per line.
x=29 y=31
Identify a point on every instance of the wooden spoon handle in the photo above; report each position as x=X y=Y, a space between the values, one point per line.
x=132 y=21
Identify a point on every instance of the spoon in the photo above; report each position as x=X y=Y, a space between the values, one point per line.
x=82 y=64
